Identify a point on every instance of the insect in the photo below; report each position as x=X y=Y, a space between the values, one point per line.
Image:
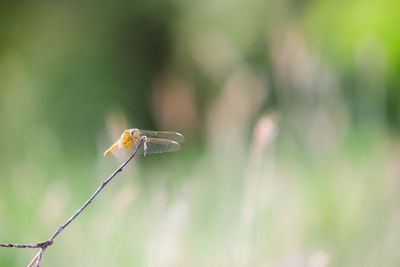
x=153 y=142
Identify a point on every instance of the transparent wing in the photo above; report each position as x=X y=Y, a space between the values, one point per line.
x=158 y=145
x=174 y=136
x=118 y=150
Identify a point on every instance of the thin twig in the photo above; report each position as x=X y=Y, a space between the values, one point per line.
x=33 y=261
x=20 y=245
x=39 y=257
x=49 y=242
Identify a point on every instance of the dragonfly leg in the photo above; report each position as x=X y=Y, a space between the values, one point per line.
x=134 y=141
x=144 y=145
x=128 y=147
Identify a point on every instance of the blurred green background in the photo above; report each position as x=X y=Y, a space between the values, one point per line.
x=290 y=111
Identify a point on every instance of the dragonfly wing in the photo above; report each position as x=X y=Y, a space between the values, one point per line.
x=170 y=135
x=118 y=150
x=158 y=145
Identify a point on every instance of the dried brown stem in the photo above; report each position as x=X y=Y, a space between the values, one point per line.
x=49 y=242
x=20 y=245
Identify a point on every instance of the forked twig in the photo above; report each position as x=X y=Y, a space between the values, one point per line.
x=49 y=242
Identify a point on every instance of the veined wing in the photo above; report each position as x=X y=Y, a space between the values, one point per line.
x=170 y=135
x=158 y=145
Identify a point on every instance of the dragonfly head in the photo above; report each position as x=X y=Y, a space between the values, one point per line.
x=135 y=133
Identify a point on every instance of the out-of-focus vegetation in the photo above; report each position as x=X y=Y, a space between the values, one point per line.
x=290 y=110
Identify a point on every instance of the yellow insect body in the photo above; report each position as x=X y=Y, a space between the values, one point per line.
x=155 y=141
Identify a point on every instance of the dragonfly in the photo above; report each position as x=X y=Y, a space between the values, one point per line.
x=153 y=142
